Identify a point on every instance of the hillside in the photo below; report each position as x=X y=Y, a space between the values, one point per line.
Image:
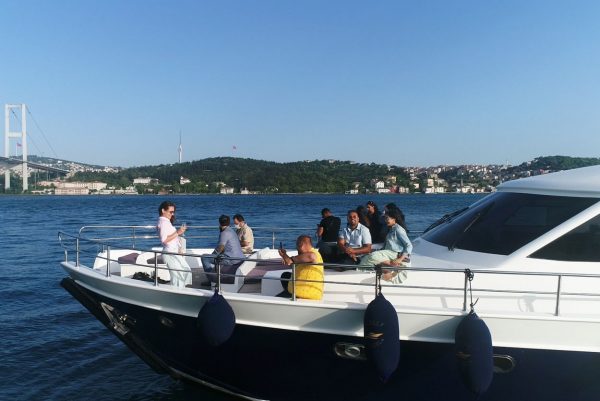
x=256 y=175
x=327 y=176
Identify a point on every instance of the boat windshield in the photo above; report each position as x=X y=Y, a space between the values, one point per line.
x=504 y=222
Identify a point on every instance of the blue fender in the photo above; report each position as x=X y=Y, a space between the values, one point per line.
x=474 y=353
x=382 y=337
x=216 y=320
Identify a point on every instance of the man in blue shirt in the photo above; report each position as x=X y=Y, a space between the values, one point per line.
x=229 y=247
x=355 y=240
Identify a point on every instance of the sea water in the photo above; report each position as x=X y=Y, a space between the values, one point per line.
x=52 y=348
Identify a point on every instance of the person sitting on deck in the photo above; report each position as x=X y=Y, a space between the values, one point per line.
x=354 y=241
x=169 y=237
x=327 y=232
x=229 y=247
x=377 y=227
x=309 y=271
x=244 y=233
x=396 y=250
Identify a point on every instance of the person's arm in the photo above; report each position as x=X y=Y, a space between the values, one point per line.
x=245 y=236
x=286 y=259
x=319 y=231
x=221 y=246
x=308 y=257
x=166 y=238
x=405 y=241
x=366 y=248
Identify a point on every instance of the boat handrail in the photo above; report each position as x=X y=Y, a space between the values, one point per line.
x=468 y=273
x=134 y=235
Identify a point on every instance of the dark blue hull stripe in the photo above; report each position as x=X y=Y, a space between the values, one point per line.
x=271 y=364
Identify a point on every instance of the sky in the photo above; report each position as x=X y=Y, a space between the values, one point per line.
x=407 y=83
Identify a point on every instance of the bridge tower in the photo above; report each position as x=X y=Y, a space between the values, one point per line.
x=8 y=108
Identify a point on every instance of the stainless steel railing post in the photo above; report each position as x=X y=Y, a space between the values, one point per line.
x=293 y=281
x=272 y=239
x=218 y=268
x=107 y=261
x=77 y=252
x=156 y=269
x=465 y=291
x=557 y=310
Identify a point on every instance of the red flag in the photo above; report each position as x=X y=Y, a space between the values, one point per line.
x=234 y=147
x=18 y=145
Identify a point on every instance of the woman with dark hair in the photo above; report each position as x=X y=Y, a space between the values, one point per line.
x=180 y=271
x=392 y=206
x=396 y=250
x=363 y=218
x=377 y=228
x=389 y=207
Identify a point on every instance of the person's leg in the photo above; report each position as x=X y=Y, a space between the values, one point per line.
x=347 y=260
x=208 y=263
x=328 y=252
x=180 y=271
x=208 y=266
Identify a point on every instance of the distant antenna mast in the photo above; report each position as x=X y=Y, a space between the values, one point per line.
x=180 y=147
x=22 y=135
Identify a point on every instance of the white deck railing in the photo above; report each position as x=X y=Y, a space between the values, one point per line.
x=98 y=247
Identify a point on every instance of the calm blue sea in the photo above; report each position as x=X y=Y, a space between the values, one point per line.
x=51 y=348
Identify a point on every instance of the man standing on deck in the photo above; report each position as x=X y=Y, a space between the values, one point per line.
x=327 y=232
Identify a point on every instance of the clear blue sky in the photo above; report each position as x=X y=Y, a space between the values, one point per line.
x=410 y=83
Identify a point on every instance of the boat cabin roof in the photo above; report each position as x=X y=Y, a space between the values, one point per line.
x=580 y=182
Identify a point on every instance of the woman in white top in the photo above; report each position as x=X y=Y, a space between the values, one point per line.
x=180 y=271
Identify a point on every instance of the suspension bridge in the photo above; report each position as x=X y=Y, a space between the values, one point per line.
x=15 y=132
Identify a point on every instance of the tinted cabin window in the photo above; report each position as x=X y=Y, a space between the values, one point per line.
x=504 y=222
x=581 y=244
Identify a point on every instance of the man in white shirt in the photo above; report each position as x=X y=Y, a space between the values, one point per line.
x=244 y=233
x=354 y=241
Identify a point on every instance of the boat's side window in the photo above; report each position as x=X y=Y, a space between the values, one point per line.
x=582 y=244
x=504 y=222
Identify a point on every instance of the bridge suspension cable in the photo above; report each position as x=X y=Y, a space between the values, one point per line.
x=41 y=131
x=29 y=134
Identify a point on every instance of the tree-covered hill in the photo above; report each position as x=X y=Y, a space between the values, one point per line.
x=556 y=163
x=256 y=175
x=331 y=176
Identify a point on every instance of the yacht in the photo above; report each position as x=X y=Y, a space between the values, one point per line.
x=501 y=301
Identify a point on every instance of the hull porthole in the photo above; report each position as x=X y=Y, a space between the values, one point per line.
x=350 y=351
x=504 y=363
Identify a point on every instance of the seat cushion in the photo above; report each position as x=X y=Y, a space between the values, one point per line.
x=228 y=274
x=160 y=261
x=128 y=259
